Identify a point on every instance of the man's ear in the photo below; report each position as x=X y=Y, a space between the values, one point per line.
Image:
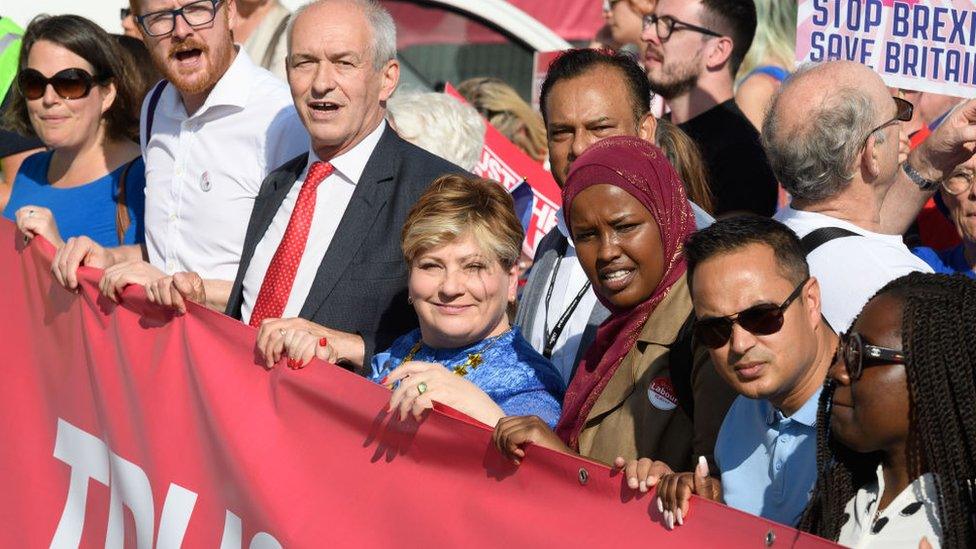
x=811 y=299
x=390 y=75
x=719 y=52
x=647 y=127
x=870 y=164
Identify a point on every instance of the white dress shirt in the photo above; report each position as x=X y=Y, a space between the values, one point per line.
x=204 y=171
x=569 y=281
x=331 y=199
x=852 y=269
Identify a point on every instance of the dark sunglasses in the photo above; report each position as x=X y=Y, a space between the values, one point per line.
x=763 y=319
x=857 y=354
x=903 y=113
x=68 y=84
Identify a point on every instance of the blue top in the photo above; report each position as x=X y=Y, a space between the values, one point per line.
x=519 y=379
x=774 y=71
x=768 y=461
x=949 y=261
x=87 y=209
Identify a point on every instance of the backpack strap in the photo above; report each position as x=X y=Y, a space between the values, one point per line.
x=823 y=235
x=157 y=92
x=681 y=363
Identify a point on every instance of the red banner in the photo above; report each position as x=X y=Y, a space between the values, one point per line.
x=128 y=426
x=502 y=161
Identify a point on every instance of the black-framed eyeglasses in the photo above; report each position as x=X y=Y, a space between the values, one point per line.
x=665 y=25
x=762 y=319
x=904 y=112
x=196 y=14
x=124 y=12
x=857 y=354
x=73 y=83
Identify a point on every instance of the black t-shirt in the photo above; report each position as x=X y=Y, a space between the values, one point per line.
x=735 y=162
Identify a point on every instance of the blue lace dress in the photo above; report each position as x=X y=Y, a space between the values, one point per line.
x=519 y=379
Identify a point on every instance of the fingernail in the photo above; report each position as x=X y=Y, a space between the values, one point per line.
x=652 y=480
x=680 y=517
x=643 y=486
x=632 y=483
x=660 y=506
x=323 y=342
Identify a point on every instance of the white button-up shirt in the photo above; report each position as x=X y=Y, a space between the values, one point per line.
x=204 y=171
x=569 y=281
x=331 y=199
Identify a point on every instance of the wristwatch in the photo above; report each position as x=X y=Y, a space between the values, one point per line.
x=924 y=184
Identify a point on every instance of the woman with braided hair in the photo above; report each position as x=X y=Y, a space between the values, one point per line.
x=897 y=423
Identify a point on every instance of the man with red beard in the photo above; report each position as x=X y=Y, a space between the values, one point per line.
x=211 y=133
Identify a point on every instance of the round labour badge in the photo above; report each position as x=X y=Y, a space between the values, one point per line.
x=661 y=394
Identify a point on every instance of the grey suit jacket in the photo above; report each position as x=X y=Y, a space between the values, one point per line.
x=361 y=284
x=552 y=247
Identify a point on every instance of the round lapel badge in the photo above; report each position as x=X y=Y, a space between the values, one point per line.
x=661 y=394
x=205 y=182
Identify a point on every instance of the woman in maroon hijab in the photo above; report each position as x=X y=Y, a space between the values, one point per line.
x=641 y=390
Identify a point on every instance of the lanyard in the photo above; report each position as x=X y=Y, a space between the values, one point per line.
x=557 y=330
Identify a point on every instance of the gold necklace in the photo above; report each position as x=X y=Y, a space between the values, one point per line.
x=473 y=361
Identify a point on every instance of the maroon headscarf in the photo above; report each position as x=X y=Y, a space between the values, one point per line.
x=642 y=170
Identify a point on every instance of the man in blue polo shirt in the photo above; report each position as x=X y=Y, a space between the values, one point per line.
x=758 y=312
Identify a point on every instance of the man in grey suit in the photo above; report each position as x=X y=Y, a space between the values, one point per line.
x=322 y=252
x=588 y=95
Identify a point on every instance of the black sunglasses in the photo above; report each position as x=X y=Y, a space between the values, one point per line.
x=71 y=83
x=665 y=25
x=857 y=354
x=762 y=319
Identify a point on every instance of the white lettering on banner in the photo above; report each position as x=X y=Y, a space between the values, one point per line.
x=543 y=219
x=90 y=458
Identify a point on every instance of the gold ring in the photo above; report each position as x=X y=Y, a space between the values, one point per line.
x=421 y=388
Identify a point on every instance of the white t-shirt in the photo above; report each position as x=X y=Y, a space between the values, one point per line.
x=331 y=200
x=851 y=269
x=913 y=514
x=204 y=171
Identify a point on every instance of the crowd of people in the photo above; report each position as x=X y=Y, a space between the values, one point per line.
x=793 y=360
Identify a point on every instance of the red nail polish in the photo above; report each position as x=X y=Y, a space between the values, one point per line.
x=383 y=381
x=323 y=342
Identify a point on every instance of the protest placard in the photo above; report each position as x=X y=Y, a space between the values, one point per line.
x=924 y=45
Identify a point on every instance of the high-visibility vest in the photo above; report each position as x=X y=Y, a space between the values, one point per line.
x=10 y=35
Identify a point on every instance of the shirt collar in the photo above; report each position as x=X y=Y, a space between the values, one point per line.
x=352 y=163
x=233 y=88
x=807 y=414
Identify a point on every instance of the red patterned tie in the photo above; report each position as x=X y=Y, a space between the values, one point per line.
x=278 y=281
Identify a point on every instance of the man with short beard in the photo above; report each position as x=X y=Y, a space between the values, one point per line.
x=211 y=132
x=694 y=49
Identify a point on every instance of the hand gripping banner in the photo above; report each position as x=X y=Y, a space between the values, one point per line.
x=127 y=426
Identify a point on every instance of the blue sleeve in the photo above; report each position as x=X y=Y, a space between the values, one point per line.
x=933 y=259
x=381 y=364
x=538 y=402
x=135 y=193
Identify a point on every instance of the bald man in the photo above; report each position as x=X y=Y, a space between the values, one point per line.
x=832 y=139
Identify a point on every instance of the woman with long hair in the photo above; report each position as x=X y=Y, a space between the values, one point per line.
x=896 y=449
x=76 y=92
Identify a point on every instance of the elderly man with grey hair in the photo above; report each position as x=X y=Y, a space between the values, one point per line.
x=832 y=139
x=439 y=124
x=321 y=265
